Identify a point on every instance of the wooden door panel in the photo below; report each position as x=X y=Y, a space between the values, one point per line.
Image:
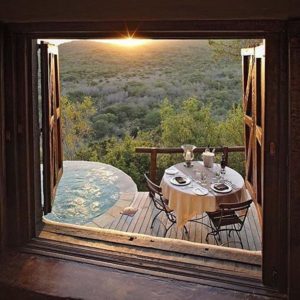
x=253 y=106
x=52 y=145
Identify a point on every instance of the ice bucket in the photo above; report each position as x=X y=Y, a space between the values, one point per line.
x=208 y=159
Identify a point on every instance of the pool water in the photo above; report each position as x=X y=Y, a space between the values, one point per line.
x=86 y=190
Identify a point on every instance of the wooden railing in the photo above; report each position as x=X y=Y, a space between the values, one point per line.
x=154 y=151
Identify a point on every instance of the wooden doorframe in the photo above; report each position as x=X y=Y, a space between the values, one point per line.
x=293 y=173
x=2 y=148
x=275 y=211
x=275 y=162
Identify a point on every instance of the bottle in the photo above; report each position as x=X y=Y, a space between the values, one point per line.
x=223 y=164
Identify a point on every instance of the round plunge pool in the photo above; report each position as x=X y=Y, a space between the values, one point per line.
x=87 y=190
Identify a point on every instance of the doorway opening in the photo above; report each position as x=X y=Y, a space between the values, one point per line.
x=118 y=106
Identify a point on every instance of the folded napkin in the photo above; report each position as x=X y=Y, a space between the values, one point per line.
x=129 y=211
x=200 y=191
x=220 y=186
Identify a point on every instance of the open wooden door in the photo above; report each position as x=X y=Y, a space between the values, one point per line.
x=51 y=123
x=254 y=116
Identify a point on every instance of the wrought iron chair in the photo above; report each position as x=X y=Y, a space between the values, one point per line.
x=229 y=214
x=161 y=204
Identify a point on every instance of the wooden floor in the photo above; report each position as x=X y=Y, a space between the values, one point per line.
x=141 y=222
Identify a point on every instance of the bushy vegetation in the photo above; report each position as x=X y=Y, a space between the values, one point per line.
x=164 y=93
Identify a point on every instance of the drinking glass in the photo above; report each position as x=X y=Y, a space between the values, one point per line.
x=203 y=178
x=217 y=176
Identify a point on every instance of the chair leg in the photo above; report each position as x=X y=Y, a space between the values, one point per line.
x=167 y=229
x=206 y=238
x=185 y=229
x=210 y=233
x=219 y=237
x=214 y=233
x=155 y=218
x=238 y=234
x=186 y=232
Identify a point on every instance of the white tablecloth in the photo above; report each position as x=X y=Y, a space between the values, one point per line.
x=186 y=204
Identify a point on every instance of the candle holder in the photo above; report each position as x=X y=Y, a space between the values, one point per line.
x=188 y=154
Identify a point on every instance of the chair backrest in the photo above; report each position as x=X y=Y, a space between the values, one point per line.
x=152 y=187
x=236 y=206
x=155 y=193
x=233 y=213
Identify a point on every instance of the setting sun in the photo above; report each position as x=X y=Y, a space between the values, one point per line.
x=127 y=42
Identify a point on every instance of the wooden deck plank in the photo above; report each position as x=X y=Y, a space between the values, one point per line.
x=141 y=222
x=191 y=232
x=256 y=223
x=255 y=228
x=138 y=204
x=252 y=230
x=116 y=223
x=142 y=213
x=147 y=218
x=158 y=226
x=126 y=220
x=152 y=212
x=255 y=235
x=249 y=234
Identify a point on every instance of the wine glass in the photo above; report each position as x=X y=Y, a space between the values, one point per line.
x=203 y=178
x=217 y=176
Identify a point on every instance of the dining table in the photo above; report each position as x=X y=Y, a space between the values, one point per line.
x=198 y=194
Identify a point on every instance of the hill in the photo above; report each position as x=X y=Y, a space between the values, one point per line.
x=144 y=75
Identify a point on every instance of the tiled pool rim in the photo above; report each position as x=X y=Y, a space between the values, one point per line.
x=127 y=193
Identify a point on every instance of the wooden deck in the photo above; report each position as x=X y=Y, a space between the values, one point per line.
x=141 y=221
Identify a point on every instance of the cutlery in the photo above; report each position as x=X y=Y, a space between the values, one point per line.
x=228 y=182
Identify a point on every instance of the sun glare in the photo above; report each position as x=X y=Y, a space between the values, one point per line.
x=127 y=42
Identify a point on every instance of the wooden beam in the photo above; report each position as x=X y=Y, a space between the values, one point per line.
x=2 y=148
x=275 y=167
x=259 y=134
x=293 y=197
x=153 y=165
x=249 y=84
x=248 y=120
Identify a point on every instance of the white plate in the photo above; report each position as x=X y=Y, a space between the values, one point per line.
x=175 y=182
x=171 y=171
x=201 y=191
x=228 y=190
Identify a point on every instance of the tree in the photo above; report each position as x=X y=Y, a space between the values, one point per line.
x=76 y=125
x=122 y=155
x=231 y=133
x=191 y=123
x=230 y=50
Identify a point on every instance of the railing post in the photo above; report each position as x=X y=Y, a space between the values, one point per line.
x=153 y=164
x=225 y=152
